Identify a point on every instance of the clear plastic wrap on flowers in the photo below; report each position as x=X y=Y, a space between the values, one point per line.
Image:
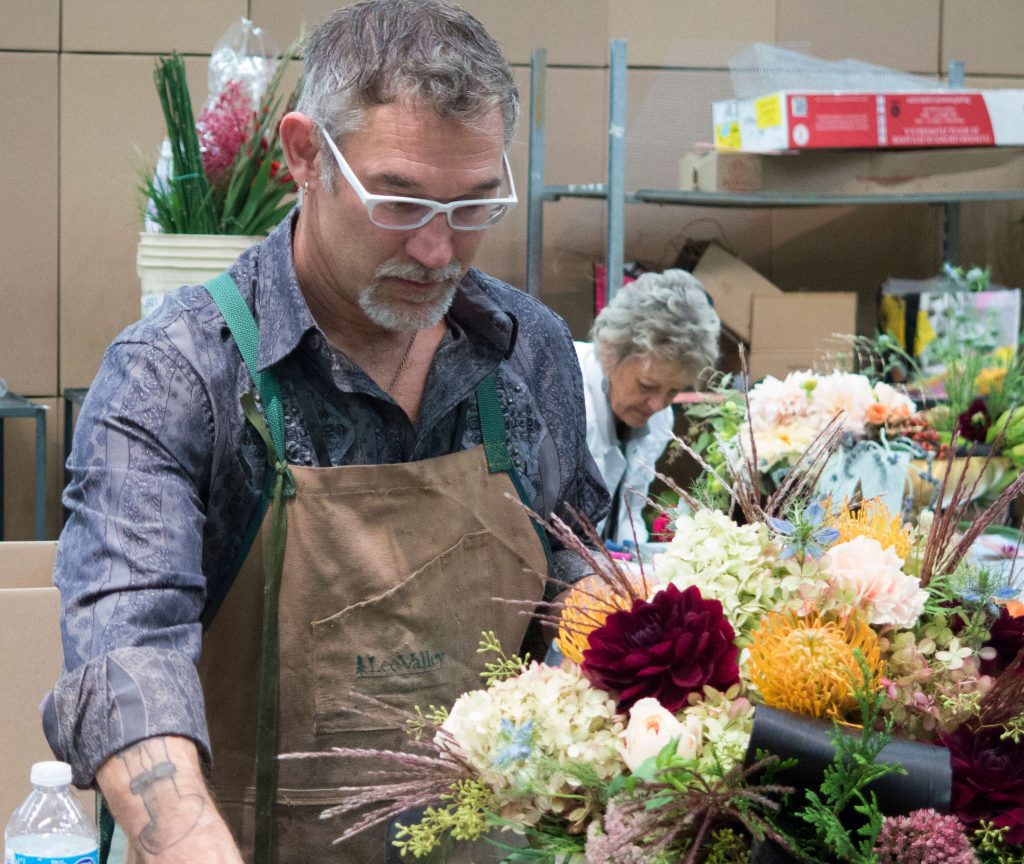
x=246 y=54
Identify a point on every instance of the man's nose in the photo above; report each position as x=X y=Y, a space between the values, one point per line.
x=431 y=244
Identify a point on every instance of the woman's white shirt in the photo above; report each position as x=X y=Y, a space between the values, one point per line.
x=635 y=467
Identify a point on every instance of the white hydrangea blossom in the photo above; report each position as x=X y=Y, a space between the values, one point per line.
x=522 y=735
x=736 y=565
x=726 y=721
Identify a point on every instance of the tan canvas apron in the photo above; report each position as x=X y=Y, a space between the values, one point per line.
x=390 y=574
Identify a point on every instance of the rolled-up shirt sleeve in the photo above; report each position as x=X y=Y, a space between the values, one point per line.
x=129 y=564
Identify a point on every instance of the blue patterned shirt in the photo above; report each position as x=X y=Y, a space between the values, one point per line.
x=166 y=474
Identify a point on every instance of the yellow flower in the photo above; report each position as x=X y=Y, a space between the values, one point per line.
x=990 y=380
x=586 y=609
x=807 y=665
x=873 y=519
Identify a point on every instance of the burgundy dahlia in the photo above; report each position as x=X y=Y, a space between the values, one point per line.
x=973 y=423
x=988 y=779
x=666 y=648
x=1007 y=637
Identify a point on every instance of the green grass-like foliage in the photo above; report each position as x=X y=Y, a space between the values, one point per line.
x=251 y=201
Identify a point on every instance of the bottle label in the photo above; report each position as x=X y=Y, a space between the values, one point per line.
x=16 y=858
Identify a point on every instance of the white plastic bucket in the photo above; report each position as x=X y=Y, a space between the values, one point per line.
x=168 y=261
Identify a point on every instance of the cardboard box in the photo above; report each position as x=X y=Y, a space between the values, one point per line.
x=798 y=330
x=784 y=331
x=800 y=120
x=31 y=650
x=856 y=172
x=732 y=285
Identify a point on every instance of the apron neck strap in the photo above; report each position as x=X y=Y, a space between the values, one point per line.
x=246 y=334
x=492 y=430
x=492 y=426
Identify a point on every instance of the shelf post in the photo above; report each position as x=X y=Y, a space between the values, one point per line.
x=951 y=212
x=616 y=168
x=535 y=181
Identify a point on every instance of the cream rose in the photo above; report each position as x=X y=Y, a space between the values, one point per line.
x=651 y=728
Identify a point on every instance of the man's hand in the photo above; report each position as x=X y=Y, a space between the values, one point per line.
x=158 y=796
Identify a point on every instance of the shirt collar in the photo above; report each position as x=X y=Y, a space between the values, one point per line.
x=284 y=317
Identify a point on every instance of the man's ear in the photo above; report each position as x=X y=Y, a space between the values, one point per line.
x=301 y=144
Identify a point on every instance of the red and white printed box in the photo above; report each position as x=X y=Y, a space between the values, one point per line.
x=799 y=120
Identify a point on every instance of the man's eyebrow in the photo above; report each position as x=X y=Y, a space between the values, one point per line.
x=398 y=181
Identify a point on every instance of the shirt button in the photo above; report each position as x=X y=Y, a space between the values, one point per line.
x=518 y=388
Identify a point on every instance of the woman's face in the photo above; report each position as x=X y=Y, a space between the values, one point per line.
x=639 y=387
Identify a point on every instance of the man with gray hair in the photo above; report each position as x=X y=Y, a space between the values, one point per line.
x=652 y=341
x=295 y=495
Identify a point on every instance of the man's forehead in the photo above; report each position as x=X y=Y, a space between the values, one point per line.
x=408 y=115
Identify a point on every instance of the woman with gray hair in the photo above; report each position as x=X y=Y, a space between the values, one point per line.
x=651 y=342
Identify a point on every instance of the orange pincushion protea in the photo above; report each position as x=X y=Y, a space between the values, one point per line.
x=873 y=519
x=586 y=609
x=807 y=665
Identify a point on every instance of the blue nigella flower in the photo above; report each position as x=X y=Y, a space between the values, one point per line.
x=805 y=535
x=515 y=743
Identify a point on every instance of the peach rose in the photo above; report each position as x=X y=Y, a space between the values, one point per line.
x=876 y=413
x=651 y=727
x=874 y=577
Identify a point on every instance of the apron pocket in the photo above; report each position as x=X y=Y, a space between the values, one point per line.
x=414 y=645
x=301 y=836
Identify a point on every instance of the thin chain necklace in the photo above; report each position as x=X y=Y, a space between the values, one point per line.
x=401 y=366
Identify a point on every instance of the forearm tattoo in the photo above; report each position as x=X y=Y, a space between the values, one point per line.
x=172 y=813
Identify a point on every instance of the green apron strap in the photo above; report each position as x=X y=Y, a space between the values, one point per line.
x=247 y=337
x=243 y=328
x=492 y=426
x=105 y=822
x=492 y=429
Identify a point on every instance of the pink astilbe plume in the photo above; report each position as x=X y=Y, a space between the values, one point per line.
x=223 y=128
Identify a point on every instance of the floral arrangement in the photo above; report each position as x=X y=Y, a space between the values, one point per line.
x=785 y=417
x=226 y=173
x=844 y=624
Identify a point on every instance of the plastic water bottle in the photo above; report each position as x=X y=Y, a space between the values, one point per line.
x=50 y=827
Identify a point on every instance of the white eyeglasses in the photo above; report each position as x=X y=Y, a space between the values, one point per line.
x=404 y=214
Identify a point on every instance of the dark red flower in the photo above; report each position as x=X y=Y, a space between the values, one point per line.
x=666 y=648
x=988 y=779
x=661 y=528
x=1007 y=638
x=973 y=424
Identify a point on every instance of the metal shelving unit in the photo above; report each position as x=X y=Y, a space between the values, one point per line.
x=613 y=190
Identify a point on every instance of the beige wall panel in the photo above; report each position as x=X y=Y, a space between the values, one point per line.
x=994 y=82
x=20 y=475
x=100 y=202
x=854 y=249
x=30 y=25
x=689 y=32
x=668 y=112
x=576 y=127
x=188 y=26
x=573 y=31
x=992 y=234
x=902 y=35
x=28 y=225
x=985 y=34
